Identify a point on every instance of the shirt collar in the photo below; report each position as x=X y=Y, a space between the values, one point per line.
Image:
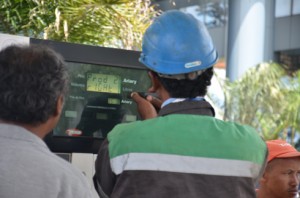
x=175 y=100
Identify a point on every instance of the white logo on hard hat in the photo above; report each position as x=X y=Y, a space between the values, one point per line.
x=192 y=64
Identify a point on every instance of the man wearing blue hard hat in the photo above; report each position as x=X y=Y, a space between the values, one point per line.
x=181 y=150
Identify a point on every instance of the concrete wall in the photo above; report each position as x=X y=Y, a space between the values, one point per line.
x=287 y=33
x=247 y=34
x=219 y=36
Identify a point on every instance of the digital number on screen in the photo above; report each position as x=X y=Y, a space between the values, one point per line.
x=103 y=83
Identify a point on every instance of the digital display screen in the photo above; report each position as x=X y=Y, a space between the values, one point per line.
x=98 y=99
x=103 y=83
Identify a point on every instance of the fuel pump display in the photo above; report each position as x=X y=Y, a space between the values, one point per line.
x=98 y=99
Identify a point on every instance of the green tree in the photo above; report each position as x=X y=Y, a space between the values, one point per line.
x=266 y=98
x=111 y=23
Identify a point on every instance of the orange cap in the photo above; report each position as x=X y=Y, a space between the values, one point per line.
x=281 y=149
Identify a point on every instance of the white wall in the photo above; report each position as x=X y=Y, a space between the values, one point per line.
x=6 y=40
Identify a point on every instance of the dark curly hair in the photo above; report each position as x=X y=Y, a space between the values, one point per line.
x=31 y=80
x=188 y=88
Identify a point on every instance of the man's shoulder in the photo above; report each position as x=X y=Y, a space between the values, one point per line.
x=61 y=166
x=182 y=121
x=40 y=165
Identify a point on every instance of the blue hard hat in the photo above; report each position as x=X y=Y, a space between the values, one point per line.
x=177 y=43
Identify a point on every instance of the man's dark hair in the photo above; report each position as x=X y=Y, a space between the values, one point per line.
x=188 y=88
x=31 y=80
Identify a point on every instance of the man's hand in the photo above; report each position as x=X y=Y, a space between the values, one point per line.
x=148 y=107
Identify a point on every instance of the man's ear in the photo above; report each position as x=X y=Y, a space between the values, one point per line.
x=59 y=105
x=155 y=83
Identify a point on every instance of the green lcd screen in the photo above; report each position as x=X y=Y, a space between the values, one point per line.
x=103 y=83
